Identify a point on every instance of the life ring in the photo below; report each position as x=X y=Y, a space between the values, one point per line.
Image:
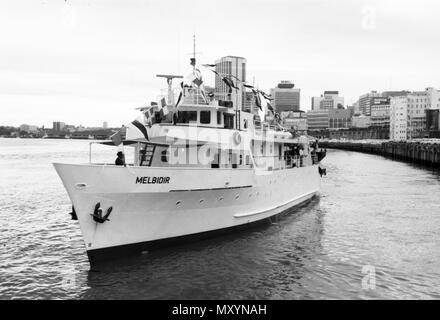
x=237 y=137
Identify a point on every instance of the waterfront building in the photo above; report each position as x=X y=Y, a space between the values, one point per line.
x=28 y=128
x=432 y=98
x=432 y=123
x=359 y=133
x=286 y=97
x=398 y=118
x=432 y=119
x=329 y=100
x=408 y=113
x=234 y=68
x=380 y=112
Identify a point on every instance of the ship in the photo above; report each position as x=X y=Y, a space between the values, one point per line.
x=201 y=166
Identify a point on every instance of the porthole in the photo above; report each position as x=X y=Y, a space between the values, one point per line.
x=178 y=202
x=220 y=199
x=237 y=196
x=201 y=201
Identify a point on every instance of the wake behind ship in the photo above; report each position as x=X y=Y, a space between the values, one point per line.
x=201 y=166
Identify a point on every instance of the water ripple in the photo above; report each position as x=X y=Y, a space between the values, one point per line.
x=372 y=212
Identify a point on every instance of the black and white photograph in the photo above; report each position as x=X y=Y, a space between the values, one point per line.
x=234 y=152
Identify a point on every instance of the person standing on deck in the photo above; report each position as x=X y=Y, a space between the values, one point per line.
x=120 y=160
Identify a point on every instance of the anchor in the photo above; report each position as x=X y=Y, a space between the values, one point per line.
x=73 y=214
x=97 y=214
x=322 y=171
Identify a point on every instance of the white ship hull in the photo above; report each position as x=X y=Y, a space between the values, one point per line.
x=185 y=202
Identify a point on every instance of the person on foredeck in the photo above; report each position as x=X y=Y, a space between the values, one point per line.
x=120 y=160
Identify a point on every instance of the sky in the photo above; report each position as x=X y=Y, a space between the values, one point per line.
x=86 y=62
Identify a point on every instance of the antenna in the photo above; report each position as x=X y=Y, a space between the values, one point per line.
x=194 y=53
x=194 y=50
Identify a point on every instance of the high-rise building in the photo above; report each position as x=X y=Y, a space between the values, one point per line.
x=249 y=103
x=105 y=124
x=235 y=68
x=365 y=101
x=398 y=118
x=328 y=100
x=286 y=98
x=58 y=126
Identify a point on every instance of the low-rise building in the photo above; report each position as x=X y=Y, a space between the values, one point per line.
x=339 y=119
x=361 y=121
x=317 y=120
x=28 y=128
x=295 y=120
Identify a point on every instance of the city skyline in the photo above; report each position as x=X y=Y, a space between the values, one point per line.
x=85 y=62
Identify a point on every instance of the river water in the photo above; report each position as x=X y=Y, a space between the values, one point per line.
x=374 y=233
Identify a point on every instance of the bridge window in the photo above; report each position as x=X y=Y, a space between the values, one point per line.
x=187 y=116
x=229 y=121
x=205 y=117
x=164 y=156
x=219 y=117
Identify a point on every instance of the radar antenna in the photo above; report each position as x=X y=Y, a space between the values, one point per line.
x=170 y=88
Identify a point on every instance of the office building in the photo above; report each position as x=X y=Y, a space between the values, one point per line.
x=329 y=100
x=58 y=126
x=380 y=112
x=249 y=103
x=408 y=114
x=365 y=102
x=339 y=118
x=286 y=97
x=234 y=68
x=317 y=119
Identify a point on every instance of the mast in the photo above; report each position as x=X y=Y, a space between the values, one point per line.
x=194 y=53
